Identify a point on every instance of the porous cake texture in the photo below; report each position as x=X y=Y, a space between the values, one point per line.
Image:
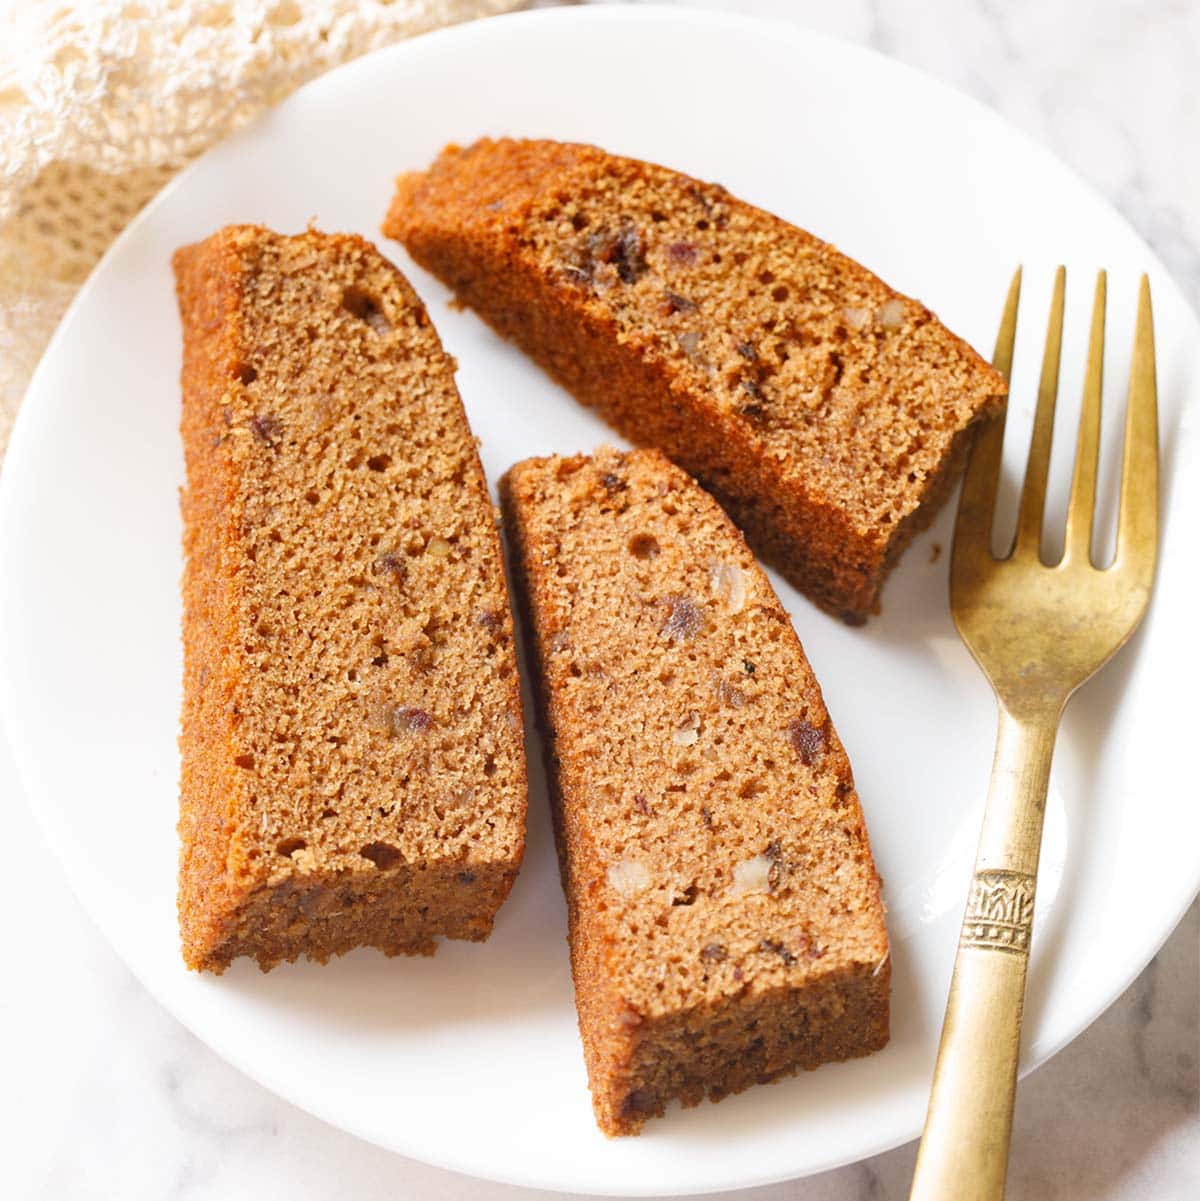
x=725 y=918
x=826 y=412
x=353 y=768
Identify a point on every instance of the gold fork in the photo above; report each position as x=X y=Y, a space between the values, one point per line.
x=1038 y=632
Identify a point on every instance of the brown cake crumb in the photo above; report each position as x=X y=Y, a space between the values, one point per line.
x=725 y=917
x=353 y=770
x=824 y=410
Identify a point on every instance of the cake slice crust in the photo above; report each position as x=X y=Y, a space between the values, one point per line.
x=353 y=766
x=725 y=917
x=827 y=412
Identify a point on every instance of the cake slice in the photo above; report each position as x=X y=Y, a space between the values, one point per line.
x=725 y=918
x=353 y=768
x=825 y=411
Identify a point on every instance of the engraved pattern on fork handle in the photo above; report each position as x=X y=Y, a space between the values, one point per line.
x=999 y=913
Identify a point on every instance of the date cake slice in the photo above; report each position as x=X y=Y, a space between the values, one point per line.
x=725 y=919
x=827 y=412
x=353 y=768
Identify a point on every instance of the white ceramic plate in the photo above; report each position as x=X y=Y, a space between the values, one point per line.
x=470 y=1060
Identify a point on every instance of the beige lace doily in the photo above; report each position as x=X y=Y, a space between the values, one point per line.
x=102 y=101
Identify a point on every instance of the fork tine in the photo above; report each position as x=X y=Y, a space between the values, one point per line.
x=1082 y=505
x=1033 y=495
x=1006 y=336
x=973 y=525
x=1137 y=528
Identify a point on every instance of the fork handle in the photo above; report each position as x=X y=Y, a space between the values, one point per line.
x=964 y=1149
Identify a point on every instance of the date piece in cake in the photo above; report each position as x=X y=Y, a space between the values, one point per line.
x=826 y=412
x=725 y=918
x=353 y=769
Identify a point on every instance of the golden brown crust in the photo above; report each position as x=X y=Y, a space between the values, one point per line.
x=352 y=752
x=212 y=791
x=725 y=919
x=821 y=407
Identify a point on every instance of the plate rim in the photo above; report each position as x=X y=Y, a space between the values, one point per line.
x=28 y=415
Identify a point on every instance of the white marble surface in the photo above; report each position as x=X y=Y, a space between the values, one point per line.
x=104 y=1095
